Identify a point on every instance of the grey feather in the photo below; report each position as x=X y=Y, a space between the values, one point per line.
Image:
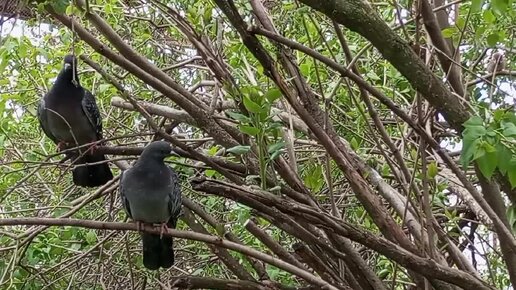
x=150 y=193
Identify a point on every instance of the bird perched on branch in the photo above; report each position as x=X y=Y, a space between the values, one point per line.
x=69 y=116
x=496 y=63
x=151 y=194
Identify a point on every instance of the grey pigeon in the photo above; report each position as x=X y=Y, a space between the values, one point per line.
x=69 y=116
x=151 y=194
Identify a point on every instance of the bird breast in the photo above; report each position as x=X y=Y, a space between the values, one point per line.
x=150 y=207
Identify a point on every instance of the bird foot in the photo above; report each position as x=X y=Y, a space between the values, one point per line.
x=92 y=148
x=61 y=146
x=163 y=228
x=139 y=226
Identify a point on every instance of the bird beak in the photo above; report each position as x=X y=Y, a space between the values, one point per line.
x=67 y=66
x=173 y=153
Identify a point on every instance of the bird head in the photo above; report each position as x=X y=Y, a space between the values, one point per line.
x=70 y=61
x=158 y=150
x=69 y=71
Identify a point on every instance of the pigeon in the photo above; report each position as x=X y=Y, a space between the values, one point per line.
x=69 y=116
x=151 y=194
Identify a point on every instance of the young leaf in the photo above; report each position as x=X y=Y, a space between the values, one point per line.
x=240 y=149
x=91 y=237
x=314 y=178
x=249 y=130
x=273 y=94
x=489 y=16
x=354 y=143
x=432 y=170
x=276 y=147
x=252 y=106
x=275 y=154
x=239 y=117
x=448 y=32
x=209 y=172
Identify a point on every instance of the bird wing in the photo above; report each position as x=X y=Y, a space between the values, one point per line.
x=125 y=201
x=175 y=197
x=89 y=107
x=43 y=122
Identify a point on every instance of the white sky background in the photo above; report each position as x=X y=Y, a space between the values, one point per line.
x=17 y=28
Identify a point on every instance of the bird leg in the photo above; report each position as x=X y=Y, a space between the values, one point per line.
x=163 y=228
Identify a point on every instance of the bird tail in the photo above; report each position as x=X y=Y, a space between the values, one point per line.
x=159 y=252
x=92 y=175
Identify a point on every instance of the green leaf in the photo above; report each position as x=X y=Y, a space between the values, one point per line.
x=240 y=149
x=480 y=152
x=474 y=121
x=500 y=6
x=488 y=147
x=273 y=94
x=252 y=106
x=314 y=178
x=239 y=117
x=432 y=170
x=498 y=115
x=249 y=130
x=60 y=5
x=511 y=216
x=468 y=150
x=487 y=164
x=474 y=132
x=503 y=154
x=209 y=172
x=276 y=147
x=492 y=39
x=511 y=173
x=91 y=237
x=448 y=32
x=305 y=69
x=509 y=129
x=489 y=16
x=479 y=31
x=354 y=143
x=476 y=5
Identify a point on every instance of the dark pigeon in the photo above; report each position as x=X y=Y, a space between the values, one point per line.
x=151 y=194
x=69 y=116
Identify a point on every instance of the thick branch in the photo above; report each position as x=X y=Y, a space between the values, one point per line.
x=424 y=266
x=358 y=16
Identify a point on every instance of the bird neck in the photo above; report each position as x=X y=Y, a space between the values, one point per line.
x=152 y=171
x=150 y=165
x=66 y=78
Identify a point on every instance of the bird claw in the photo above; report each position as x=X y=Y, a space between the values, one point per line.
x=61 y=146
x=92 y=148
x=139 y=226
x=163 y=228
